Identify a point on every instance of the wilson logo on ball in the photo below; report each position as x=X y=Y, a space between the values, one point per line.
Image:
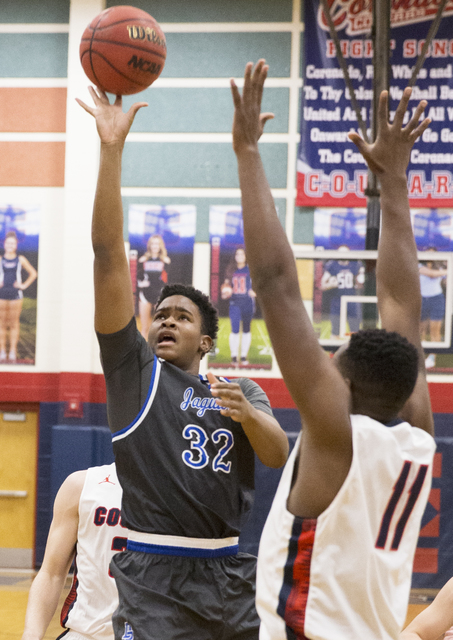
x=139 y=33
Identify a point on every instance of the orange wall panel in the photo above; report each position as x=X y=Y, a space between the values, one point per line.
x=33 y=109
x=32 y=164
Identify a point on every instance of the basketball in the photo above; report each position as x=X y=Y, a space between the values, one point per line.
x=226 y=291
x=123 y=50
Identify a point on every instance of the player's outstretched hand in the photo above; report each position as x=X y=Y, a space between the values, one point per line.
x=248 y=123
x=390 y=153
x=112 y=123
x=229 y=395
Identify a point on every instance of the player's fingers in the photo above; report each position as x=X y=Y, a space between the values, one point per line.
x=416 y=133
x=383 y=110
x=135 y=107
x=359 y=142
x=235 y=93
x=258 y=78
x=262 y=80
x=247 y=80
x=212 y=378
x=85 y=106
x=414 y=121
x=402 y=107
x=264 y=117
x=94 y=94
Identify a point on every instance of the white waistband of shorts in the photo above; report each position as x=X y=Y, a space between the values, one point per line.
x=181 y=541
x=75 y=635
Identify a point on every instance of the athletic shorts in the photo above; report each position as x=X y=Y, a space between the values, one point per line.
x=433 y=308
x=165 y=597
x=11 y=293
x=241 y=309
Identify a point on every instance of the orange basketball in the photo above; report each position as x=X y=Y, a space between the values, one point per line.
x=123 y=50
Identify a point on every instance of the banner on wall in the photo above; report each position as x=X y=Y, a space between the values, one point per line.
x=330 y=170
x=19 y=242
x=161 y=240
x=243 y=341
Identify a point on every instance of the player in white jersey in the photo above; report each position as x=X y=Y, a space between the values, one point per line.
x=86 y=527
x=336 y=553
x=436 y=621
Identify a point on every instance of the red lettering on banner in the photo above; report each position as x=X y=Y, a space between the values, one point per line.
x=441 y=184
x=409 y=48
x=313 y=184
x=338 y=182
x=415 y=185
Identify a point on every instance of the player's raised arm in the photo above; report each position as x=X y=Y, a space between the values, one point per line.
x=60 y=548
x=397 y=272
x=113 y=289
x=316 y=386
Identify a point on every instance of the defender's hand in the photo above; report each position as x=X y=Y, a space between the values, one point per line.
x=248 y=123
x=390 y=153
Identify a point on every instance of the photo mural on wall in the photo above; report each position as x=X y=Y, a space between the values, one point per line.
x=243 y=341
x=19 y=245
x=161 y=242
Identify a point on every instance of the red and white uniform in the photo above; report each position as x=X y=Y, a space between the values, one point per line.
x=347 y=574
x=93 y=597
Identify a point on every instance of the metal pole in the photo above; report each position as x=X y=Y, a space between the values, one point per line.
x=381 y=54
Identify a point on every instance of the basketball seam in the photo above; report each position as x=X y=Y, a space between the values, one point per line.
x=117 y=70
x=91 y=60
x=126 y=44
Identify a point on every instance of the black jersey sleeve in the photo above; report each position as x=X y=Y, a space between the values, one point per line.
x=127 y=362
x=255 y=395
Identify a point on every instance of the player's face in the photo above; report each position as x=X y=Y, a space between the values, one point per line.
x=240 y=257
x=10 y=245
x=175 y=334
x=155 y=246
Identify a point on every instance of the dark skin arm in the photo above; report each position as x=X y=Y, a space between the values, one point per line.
x=319 y=391
x=397 y=271
x=112 y=283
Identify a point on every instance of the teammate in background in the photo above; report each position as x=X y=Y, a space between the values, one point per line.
x=184 y=452
x=11 y=295
x=434 y=621
x=152 y=264
x=242 y=305
x=85 y=528
x=433 y=303
x=343 y=278
x=336 y=554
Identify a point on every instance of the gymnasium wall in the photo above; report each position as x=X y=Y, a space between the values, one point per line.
x=178 y=152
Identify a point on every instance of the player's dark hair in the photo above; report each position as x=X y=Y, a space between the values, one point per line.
x=381 y=363
x=209 y=315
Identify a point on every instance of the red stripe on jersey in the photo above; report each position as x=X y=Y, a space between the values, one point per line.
x=297 y=598
x=70 y=600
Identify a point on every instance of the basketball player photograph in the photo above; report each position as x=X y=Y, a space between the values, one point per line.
x=336 y=553
x=184 y=444
x=86 y=528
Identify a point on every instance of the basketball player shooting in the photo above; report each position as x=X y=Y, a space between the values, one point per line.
x=184 y=449
x=336 y=553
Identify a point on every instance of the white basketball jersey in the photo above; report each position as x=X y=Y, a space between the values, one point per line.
x=347 y=574
x=93 y=597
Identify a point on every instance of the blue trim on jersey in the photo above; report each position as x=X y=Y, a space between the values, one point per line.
x=204 y=379
x=187 y=552
x=151 y=384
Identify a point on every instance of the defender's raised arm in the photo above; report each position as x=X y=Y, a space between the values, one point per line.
x=397 y=273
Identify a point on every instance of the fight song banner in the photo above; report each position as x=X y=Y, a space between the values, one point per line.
x=330 y=170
